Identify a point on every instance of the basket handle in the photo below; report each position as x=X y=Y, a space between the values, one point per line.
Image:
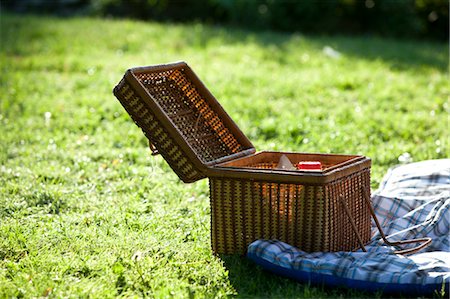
x=425 y=241
x=153 y=148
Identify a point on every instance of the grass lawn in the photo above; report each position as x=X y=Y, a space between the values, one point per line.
x=85 y=211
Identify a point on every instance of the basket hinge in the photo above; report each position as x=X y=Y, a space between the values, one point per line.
x=153 y=148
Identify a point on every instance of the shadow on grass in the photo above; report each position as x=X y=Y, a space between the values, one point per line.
x=400 y=54
x=251 y=281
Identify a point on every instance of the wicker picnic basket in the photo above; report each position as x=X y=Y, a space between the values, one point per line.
x=250 y=199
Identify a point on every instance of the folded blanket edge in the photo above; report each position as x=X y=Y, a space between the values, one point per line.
x=313 y=278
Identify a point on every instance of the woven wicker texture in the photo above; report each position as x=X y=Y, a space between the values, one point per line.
x=144 y=117
x=181 y=118
x=190 y=112
x=309 y=217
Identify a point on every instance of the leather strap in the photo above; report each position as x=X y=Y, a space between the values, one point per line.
x=425 y=241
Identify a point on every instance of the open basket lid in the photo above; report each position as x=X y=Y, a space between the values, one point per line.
x=181 y=119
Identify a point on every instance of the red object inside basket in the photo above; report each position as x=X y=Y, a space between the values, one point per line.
x=309 y=165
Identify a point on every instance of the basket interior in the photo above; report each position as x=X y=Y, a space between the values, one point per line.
x=269 y=160
x=191 y=109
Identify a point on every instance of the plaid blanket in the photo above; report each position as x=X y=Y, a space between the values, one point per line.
x=413 y=201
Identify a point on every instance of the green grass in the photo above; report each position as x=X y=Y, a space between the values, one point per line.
x=85 y=211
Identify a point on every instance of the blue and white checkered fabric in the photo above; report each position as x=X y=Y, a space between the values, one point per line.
x=413 y=201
